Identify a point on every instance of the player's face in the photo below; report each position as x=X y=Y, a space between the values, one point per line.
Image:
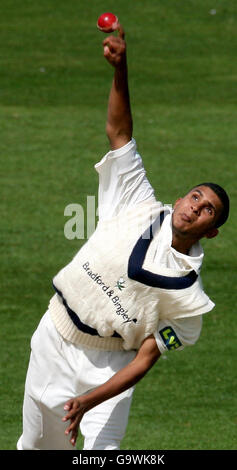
x=196 y=213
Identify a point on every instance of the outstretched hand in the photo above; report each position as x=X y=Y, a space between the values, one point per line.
x=115 y=48
x=76 y=410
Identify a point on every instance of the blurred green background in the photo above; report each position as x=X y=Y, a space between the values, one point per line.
x=54 y=85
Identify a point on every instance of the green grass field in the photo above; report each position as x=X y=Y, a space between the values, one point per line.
x=54 y=84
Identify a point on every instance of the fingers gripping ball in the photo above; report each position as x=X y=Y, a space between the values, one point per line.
x=107 y=22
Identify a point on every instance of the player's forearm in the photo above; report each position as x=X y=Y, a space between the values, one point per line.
x=147 y=355
x=121 y=381
x=119 y=124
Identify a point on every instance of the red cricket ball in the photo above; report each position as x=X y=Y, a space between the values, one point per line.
x=107 y=22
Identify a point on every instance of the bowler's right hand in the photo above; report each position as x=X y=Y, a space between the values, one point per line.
x=115 y=48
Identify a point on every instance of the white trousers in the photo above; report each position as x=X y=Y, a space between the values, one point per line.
x=58 y=371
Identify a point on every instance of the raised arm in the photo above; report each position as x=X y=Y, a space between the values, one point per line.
x=121 y=381
x=119 y=125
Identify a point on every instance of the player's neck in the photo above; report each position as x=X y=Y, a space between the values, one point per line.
x=182 y=244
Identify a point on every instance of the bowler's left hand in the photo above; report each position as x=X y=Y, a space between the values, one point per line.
x=76 y=410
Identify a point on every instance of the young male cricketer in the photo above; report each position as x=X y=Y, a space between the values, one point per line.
x=79 y=374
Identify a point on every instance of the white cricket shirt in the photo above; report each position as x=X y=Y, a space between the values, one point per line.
x=122 y=184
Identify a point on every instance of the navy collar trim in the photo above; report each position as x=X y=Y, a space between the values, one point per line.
x=137 y=257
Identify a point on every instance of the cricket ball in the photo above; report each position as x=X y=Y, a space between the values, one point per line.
x=107 y=22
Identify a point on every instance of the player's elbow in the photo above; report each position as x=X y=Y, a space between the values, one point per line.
x=147 y=355
x=145 y=364
x=151 y=359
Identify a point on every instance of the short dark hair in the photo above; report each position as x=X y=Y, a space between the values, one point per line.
x=224 y=198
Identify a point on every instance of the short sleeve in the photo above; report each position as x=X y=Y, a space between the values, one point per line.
x=122 y=181
x=176 y=334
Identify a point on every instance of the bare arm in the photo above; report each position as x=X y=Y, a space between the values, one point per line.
x=121 y=381
x=119 y=119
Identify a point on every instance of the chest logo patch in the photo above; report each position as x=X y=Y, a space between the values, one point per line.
x=120 y=283
x=170 y=338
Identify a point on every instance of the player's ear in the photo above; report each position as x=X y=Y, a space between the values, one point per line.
x=212 y=233
x=177 y=202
